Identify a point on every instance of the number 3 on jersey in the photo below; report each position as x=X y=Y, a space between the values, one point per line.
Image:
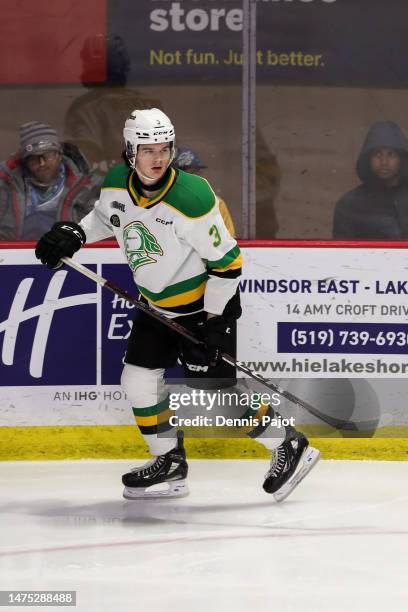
x=214 y=232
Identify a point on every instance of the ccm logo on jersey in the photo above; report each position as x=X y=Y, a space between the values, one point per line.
x=163 y=222
x=197 y=368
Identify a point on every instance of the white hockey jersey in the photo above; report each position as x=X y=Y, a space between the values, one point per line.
x=182 y=256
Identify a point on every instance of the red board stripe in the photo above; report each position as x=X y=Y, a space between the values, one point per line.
x=333 y=244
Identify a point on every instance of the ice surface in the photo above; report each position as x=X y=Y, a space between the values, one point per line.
x=338 y=544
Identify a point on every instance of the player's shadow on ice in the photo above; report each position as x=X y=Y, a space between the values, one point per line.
x=149 y=512
x=275 y=519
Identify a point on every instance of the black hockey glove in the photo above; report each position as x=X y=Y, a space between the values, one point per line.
x=216 y=335
x=218 y=330
x=63 y=240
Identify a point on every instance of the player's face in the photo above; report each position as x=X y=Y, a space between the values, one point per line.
x=44 y=168
x=152 y=159
x=385 y=163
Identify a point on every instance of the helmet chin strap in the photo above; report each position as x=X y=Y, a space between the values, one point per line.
x=146 y=179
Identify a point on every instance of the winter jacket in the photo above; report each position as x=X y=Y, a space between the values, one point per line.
x=373 y=211
x=78 y=197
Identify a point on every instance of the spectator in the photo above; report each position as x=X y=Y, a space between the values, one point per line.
x=378 y=208
x=188 y=160
x=45 y=182
x=94 y=121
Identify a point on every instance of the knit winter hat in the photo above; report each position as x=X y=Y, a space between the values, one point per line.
x=37 y=137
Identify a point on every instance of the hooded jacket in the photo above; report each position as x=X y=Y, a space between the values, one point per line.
x=374 y=211
x=77 y=198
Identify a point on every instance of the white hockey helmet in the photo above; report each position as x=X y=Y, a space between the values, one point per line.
x=147 y=126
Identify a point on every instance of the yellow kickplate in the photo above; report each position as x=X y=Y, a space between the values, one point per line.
x=125 y=442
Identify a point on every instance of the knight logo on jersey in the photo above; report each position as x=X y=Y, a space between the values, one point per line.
x=139 y=245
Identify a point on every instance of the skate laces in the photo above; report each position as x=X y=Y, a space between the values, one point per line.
x=150 y=467
x=278 y=462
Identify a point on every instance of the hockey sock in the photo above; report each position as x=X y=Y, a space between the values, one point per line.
x=154 y=425
x=251 y=415
x=264 y=426
x=145 y=388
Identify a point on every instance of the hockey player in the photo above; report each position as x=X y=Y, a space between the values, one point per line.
x=186 y=265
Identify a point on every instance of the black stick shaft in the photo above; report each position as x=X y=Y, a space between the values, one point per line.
x=184 y=332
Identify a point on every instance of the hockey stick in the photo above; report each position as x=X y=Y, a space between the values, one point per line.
x=184 y=332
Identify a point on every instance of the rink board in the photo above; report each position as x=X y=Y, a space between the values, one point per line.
x=333 y=320
x=125 y=442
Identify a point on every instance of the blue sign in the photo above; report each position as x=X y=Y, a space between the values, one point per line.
x=369 y=338
x=297 y=41
x=52 y=325
x=49 y=326
x=117 y=318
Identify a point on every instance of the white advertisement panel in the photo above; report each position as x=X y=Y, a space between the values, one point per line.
x=328 y=324
x=325 y=312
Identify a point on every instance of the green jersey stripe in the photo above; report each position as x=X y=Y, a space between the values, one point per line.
x=176 y=289
x=226 y=259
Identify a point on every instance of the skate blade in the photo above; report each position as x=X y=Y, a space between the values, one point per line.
x=309 y=459
x=178 y=488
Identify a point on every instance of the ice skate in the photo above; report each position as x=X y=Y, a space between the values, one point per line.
x=169 y=470
x=290 y=463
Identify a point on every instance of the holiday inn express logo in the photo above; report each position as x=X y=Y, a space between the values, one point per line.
x=59 y=328
x=47 y=327
x=43 y=313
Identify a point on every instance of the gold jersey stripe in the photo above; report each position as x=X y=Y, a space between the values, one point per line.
x=234 y=265
x=181 y=299
x=114 y=188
